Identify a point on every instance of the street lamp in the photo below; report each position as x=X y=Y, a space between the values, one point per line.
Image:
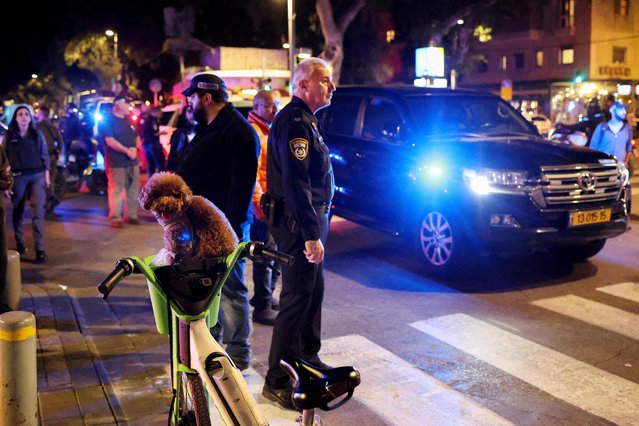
x=111 y=33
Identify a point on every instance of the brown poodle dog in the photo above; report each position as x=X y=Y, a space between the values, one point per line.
x=193 y=226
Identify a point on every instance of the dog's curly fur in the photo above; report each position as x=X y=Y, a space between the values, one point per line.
x=168 y=194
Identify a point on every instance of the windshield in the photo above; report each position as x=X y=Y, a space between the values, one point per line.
x=471 y=116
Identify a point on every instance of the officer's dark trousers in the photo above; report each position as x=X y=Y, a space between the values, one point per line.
x=297 y=328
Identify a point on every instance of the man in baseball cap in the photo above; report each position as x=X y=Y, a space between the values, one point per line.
x=220 y=164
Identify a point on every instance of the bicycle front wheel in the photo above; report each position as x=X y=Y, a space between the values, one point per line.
x=192 y=405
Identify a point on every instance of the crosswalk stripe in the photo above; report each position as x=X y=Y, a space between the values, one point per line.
x=628 y=291
x=398 y=392
x=595 y=313
x=588 y=388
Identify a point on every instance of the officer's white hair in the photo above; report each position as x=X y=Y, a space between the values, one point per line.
x=305 y=70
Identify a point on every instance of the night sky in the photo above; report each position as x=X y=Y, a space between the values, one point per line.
x=34 y=39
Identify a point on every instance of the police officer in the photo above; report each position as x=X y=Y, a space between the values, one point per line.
x=300 y=189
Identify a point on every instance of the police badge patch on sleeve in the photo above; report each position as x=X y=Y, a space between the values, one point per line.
x=299 y=147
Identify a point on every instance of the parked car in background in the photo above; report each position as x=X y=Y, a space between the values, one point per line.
x=458 y=173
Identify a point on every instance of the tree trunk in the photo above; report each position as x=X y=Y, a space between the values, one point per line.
x=333 y=33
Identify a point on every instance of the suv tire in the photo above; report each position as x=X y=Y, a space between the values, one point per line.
x=440 y=242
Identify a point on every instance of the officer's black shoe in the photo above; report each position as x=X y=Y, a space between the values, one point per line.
x=281 y=396
x=20 y=248
x=41 y=256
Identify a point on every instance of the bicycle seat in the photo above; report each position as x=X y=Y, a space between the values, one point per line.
x=316 y=387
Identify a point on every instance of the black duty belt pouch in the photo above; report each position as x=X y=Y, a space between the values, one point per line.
x=273 y=209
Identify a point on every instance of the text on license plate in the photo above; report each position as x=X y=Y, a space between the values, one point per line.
x=589 y=217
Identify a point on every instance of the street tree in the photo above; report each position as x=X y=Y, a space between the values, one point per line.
x=333 y=29
x=94 y=52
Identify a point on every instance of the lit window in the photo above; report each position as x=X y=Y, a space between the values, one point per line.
x=539 y=58
x=618 y=55
x=519 y=60
x=567 y=14
x=621 y=7
x=503 y=65
x=567 y=55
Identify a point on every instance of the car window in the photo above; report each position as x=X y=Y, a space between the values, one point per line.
x=344 y=122
x=450 y=115
x=382 y=121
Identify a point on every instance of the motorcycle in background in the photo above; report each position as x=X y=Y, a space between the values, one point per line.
x=86 y=165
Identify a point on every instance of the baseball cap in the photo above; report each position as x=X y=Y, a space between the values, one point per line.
x=207 y=83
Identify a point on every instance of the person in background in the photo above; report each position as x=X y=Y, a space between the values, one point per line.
x=220 y=164
x=151 y=141
x=71 y=130
x=28 y=156
x=181 y=137
x=122 y=169
x=54 y=142
x=300 y=183
x=614 y=137
x=265 y=105
x=6 y=182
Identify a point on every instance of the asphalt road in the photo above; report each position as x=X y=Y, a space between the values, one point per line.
x=527 y=341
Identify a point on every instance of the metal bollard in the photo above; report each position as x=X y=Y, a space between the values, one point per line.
x=18 y=369
x=12 y=294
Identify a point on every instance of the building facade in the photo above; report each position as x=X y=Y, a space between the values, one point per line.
x=566 y=57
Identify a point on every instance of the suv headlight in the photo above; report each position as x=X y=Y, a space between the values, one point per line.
x=484 y=181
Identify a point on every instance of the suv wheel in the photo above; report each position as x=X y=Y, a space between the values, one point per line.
x=581 y=252
x=440 y=243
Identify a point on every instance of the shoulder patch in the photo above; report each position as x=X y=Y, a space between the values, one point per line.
x=299 y=148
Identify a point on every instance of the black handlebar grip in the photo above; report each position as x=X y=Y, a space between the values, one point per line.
x=123 y=268
x=260 y=250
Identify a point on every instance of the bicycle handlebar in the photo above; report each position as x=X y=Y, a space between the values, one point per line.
x=123 y=268
x=255 y=250
x=258 y=249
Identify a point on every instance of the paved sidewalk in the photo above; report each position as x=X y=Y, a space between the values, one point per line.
x=91 y=370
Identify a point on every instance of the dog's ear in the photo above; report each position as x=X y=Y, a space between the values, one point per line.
x=187 y=195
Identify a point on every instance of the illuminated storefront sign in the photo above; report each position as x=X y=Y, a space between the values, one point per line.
x=429 y=62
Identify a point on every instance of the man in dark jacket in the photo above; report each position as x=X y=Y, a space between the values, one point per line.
x=220 y=164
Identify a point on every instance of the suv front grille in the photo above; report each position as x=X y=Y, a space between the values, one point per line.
x=579 y=184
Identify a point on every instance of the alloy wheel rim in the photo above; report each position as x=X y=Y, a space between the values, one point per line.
x=436 y=239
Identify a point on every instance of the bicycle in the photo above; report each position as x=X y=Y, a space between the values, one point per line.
x=185 y=298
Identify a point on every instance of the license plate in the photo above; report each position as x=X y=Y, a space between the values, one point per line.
x=589 y=217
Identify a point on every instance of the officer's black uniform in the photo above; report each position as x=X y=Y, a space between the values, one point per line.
x=300 y=183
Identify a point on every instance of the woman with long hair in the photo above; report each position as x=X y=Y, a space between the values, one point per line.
x=28 y=155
